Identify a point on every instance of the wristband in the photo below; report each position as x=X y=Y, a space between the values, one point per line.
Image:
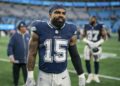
x=30 y=74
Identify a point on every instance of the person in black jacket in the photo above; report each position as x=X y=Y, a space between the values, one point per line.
x=17 y=51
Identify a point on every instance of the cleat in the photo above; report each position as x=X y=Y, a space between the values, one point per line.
x=96 y=78
x=90 y=78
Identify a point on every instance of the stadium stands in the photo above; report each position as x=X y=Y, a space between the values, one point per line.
x=10 y=14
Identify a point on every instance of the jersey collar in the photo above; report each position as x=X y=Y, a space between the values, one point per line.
x=94 y=25
x=52 y=26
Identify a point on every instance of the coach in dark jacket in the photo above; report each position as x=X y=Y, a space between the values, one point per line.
x=17 y=51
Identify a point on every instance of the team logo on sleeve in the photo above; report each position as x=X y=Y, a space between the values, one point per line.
x=75 y=32
x=33 y=29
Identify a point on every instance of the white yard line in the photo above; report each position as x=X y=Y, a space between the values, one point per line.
x=72 y=71
x=103 y=76
x=109 y=48
x=4 y=60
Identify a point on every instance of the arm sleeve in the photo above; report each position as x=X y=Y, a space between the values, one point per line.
x=10 y=46
x=75 y=59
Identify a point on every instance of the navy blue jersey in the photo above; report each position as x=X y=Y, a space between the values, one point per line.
x=53 y=46
x=93 y=33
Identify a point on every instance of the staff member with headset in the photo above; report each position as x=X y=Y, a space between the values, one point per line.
x=17 y=51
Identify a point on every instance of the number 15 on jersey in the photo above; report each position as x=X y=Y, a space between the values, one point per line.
x=59 y=49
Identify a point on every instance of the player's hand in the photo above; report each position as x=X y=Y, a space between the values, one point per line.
x=92 y=45
x=12 y=60
x=82 y=80
x=98 y=43
x=89 y=43
x=30 y=82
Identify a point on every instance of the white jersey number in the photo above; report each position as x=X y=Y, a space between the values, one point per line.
x=92 y=35
x=60 y=52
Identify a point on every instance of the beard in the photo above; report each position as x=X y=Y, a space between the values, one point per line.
x=58 y=22
x=92 y=23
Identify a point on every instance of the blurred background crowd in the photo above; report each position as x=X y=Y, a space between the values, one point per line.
x=78 y=12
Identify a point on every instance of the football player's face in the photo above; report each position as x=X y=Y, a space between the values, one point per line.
x=92 y=20
x=58 y=17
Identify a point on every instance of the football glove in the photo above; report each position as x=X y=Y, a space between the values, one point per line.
x=30 y=82
x=82 y=80
x=98 y=43
x=30 y=79
x=89 y=43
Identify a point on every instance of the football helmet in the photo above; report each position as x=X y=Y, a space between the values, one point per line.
x=96 y=50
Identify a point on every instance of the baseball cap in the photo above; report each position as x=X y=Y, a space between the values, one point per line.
x=21 y=24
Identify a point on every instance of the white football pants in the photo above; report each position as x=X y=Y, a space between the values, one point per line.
x=48 y=79
x=88 y=54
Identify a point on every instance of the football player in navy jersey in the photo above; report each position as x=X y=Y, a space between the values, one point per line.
x=94 y=35
x=53 y=40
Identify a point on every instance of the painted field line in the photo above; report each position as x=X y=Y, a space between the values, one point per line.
x=72 y=71
x=4 y=60
x=103 y=76
x=107 y=48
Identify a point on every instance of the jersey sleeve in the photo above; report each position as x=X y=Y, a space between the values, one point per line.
x=103 y=26
x=34 y=27
x=74 y=30
x=85 y=26
x=11 y=45
x=84 y=30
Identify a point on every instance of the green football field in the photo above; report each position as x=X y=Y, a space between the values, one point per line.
x=109 y=64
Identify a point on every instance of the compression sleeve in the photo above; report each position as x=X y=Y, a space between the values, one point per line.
x=75 y=59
